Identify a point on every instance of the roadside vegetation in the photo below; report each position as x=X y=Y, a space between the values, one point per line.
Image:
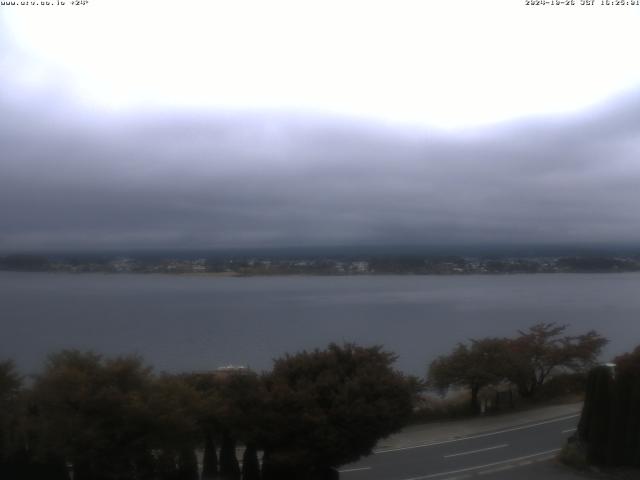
x=103 y=418
x=115 y=419
x=540 y=363
x=608 y=433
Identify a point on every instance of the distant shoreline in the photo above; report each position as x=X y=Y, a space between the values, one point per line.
x=325 y=266
x=342 y=275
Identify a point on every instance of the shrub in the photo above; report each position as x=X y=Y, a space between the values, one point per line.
x=574 y=455
x=563 y=385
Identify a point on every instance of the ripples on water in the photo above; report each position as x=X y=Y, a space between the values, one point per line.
x=191 y=322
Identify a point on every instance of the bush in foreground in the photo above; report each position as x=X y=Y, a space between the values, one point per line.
x=330 y=407
x=114 y=419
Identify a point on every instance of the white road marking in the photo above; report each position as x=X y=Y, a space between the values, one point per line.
x=478 y=467
x=354 y=469
x=476 y=451
x=569 y=430
x=471 y=437
x=496 y=470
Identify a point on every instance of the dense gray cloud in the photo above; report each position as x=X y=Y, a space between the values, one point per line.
x=192 y=179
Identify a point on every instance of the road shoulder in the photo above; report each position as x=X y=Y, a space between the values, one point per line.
x=449 y=430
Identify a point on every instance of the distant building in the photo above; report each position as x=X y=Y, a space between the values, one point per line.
x=228 y=370
x=360 y=267
x=122 y=265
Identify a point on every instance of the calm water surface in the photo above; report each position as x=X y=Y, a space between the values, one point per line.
x=191 y=322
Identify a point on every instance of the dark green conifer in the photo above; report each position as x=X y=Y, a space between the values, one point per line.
x=187 y=464
x=250 y=464
x=229 y=467
x=598 y=421
x=167 y=467
x=210 y=458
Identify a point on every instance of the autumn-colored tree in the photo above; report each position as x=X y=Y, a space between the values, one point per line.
x=473 y=366
x=544 y=349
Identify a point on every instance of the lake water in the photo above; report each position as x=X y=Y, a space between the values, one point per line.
x=192 y=322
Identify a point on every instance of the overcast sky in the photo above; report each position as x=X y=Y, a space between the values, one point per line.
x=144 y=124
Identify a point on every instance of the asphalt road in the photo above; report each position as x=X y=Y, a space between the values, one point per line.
x=491 y=455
